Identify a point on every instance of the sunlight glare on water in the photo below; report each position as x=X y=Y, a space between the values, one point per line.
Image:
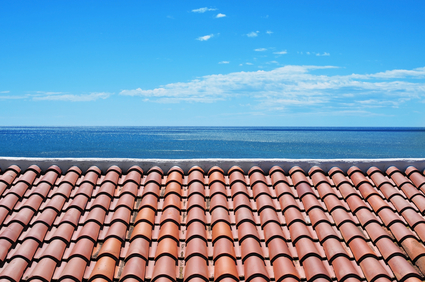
x=212 y=142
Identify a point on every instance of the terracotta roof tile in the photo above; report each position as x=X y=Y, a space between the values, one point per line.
x=212 y=224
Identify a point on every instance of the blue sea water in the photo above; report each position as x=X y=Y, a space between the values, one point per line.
x=212 y=142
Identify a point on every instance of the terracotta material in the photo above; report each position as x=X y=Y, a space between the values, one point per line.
x=215 y=176
x=195 y=173
x=151 y=188
x=74 y=269
x=195 y=200
x=128 y=191
x=195 y=213
x=170 y=214
x=220 y=214
x=255 y=169
x=237 y=176
x=104 y=268
x=169 y=230
x=277 y=248
x=134 y=268
x=146 y=214
x=196 y=188
x=139 y=247
x=224 y=247
x=235 y=169
x=44 y=270
x=241 y=200
x=165 y=267
x=172 y=200
x=284 y=270
x=416 y=177
x=247 y=230
x=143 y=229
x=15 y=270
x=153 y=179
x=197 y=247
x=83 y=249
x=260 y=189
x=225 y=267
x=254 y=268
x=217 y=188
x=167 y=247
x=327 y=225
x=250 y=247
x=242 y=215
x=196 y=267
x=196 y=230
x=264 y=202
x=221 y=230
x=173 y=187
x=149 y=200
x=218 y=200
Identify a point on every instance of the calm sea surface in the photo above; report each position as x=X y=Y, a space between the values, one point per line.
x=212 y=142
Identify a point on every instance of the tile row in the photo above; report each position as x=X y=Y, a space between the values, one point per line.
x=280 y=225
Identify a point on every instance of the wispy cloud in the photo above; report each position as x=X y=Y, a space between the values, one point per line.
x=297 y=86
x=224 y=62
x=323 y=54
x=58 y=96
x=281 y=52
x=247 y=63
x=269 y=32
x=73 y=98
x=253 y=34
x=391 y=74
x=203 y=10
x=205 y=37
x=260 y=49
x=220 y=15
x=13 y=97
x=4 y=92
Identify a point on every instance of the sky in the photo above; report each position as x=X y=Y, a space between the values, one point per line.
x=212 y=63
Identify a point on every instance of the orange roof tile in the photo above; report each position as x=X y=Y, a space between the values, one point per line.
x=280 y=225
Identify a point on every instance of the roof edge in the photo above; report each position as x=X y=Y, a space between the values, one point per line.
x=165 y=164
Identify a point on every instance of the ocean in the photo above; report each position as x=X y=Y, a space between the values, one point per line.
x=212 y=142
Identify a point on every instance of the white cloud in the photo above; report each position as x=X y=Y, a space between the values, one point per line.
x=324 y=54
x=281 y=52
x=4 y=92
x=205 y=37
x=60 y=96
x=203 y=10
x=297 y=86
x=253 y=34
x=72 y=97
x=415 y=73
x=269 y=32
x=260 y=49
x=13 y=97
x=224 y=62
x=249 y=64
x=220 y=15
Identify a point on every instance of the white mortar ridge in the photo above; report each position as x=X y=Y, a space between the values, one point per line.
x=206 y=164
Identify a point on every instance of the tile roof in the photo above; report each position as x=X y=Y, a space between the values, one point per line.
x=254 y=225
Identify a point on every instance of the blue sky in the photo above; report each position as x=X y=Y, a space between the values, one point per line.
x=275 y=63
